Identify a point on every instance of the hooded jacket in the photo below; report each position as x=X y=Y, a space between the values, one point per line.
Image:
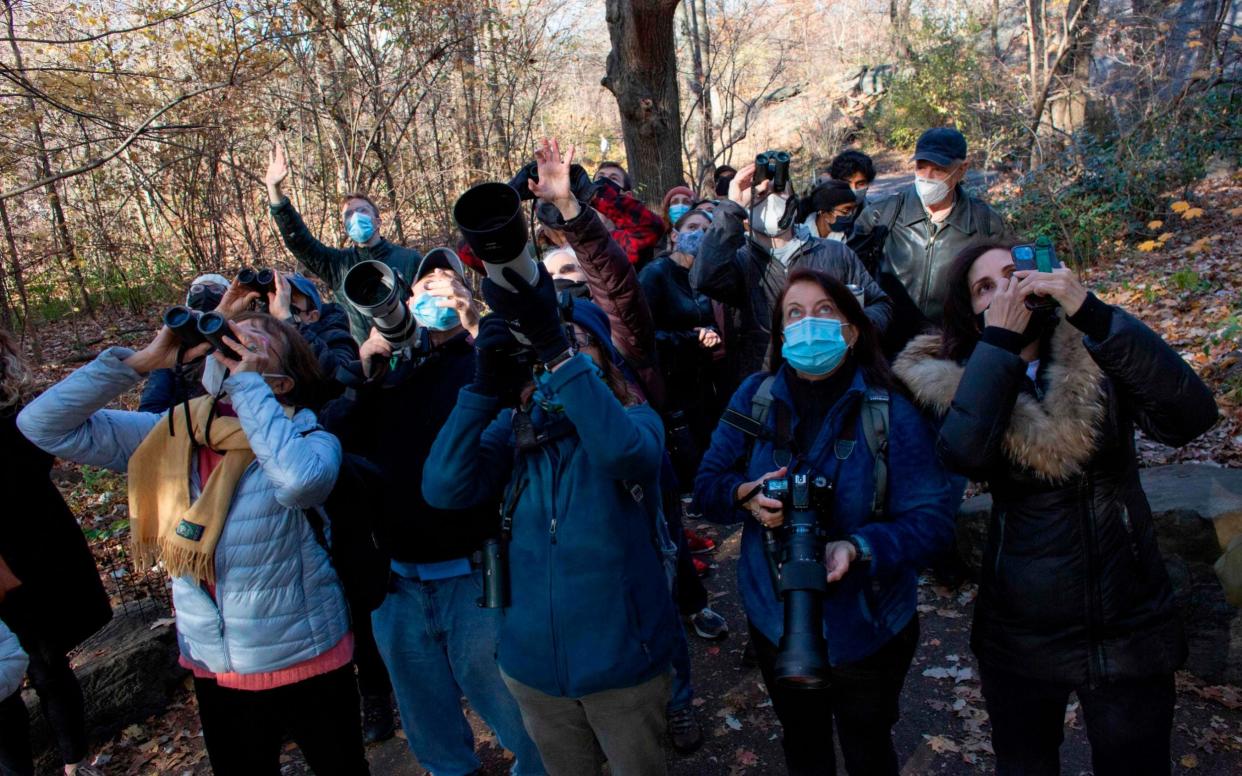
x=277 y=600
x=332 y=264
x=1073 y=588
x=874 y=601
x=329 y=337
x=736 y=271
x=591 y=609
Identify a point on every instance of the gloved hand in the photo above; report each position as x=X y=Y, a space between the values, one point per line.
x=532 y=309
x=497 y=370
x=580 y=183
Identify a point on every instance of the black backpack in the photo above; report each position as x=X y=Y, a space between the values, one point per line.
x=343 y=526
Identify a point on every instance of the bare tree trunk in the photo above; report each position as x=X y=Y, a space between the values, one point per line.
x=700 y=48
x=20 y=282
x=642 y=75
x=1077 y=28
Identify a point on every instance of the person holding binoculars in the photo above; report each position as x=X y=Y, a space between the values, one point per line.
x=753 y=245
x=362 y=223
x=217 y=494
x=1040 y=386
x=835 y=476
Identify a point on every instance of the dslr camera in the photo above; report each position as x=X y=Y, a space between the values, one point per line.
x=796 y=548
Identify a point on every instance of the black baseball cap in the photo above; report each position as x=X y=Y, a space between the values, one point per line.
x=440 y=258
x=944 y=146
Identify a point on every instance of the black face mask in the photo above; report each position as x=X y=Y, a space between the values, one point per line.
x=576 y=288
x=204 y=299
x=842 y=224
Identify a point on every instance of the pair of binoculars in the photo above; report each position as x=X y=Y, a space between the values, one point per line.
x=194 y=328
x=262 y=280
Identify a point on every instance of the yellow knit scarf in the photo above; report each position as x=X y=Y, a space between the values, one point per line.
x=163 y=522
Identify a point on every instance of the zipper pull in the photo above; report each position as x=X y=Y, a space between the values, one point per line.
x=552 y=530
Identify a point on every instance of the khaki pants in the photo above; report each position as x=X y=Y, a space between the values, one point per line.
x=628 y=724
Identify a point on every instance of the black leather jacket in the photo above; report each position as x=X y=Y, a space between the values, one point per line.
x=1073 y=586
x=912 y=255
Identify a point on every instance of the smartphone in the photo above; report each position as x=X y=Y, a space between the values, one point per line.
x=1038 y=256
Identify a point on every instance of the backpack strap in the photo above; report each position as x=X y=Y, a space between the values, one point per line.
x=754 y=425
x=875 y=418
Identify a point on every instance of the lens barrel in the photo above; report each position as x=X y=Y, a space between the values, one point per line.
x=490 y=219
x=379 y=292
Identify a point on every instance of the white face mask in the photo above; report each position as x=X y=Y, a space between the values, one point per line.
x=214 y=375
x=765 y=218
x=932 y=192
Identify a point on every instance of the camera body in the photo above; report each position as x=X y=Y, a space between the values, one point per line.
x=1038 y=256
x=772 y=166
x=802 y=659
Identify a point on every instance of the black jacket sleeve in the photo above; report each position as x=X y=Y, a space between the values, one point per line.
x=974 y=429
x=330 y=264
x=1154 y=385
x=879 y=307
x=717 y=272
x=334 y=347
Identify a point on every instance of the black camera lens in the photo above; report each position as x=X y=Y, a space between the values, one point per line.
x=490 y=219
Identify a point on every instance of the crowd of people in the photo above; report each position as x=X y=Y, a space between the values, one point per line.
x=483 y=495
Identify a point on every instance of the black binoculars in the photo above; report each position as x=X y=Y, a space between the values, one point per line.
x=772 y=166
x=195 y=328
x=802 y=660
x=262 y=280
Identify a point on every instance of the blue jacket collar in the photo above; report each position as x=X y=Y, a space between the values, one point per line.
x=781 y=392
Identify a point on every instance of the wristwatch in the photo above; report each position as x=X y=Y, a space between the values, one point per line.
x=861 y=547
x=559 y=359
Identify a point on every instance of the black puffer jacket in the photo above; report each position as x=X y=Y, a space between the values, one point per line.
x=1073 y=586
x=738 y=272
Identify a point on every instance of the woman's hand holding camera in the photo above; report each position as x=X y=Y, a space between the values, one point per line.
x=161 y=353
x=1008 y=308
x=1061 y=284
x=768 y=511
x=496 y=372
x=533 y=308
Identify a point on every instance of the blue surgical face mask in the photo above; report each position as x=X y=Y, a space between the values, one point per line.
x=675 y=212
x=689 y=242
x=815 y=346
x=431 y=315
x=360 y=227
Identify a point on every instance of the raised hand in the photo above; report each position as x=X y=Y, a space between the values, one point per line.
x=1008 y=308
x=161 y=353
x=279 y=303
x=236 y=299
x=1061 y=284
x=452 y=292
x=554 y=177
x=741 y=186
x=277 y=171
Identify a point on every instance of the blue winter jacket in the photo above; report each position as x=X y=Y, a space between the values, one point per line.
x=277 y=599
x=875 y=600
x=591 y=609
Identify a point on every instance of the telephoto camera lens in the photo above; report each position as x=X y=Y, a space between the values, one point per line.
x=802 y=659
x=183 y=321
x=380 y=293
x=490 y=219
x=214 y=326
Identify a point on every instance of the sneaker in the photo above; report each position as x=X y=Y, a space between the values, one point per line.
x=684 y=730
x=377 y=719
x=700 y=567
x=699 y=544
x=709 y=625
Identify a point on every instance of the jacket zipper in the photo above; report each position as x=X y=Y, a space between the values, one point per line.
x=927 y=253
x=556 y=651
x=1095 y=669
x=1132 y=542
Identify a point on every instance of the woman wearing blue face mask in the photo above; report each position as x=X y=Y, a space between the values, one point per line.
x=826 y=410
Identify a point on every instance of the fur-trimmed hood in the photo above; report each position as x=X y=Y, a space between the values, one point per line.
x=1055 y=437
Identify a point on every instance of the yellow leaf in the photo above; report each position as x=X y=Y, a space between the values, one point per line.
x=1154 y=225
x=1190 y=761
x=1164 y=238
x=1194 y=212
x=1180 y=206
x=1148 y=246
x=1194 y=44
x=1236 y=212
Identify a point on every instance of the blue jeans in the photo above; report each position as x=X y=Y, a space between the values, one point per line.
x=438 y=644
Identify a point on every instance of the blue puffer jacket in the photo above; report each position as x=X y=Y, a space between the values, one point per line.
x=874 y=601
x=590 y=607
x=277 y=600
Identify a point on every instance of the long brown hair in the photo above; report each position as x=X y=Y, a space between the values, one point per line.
x=867 y=353
x=961 y=327
x=16 y=379
x=297 y=360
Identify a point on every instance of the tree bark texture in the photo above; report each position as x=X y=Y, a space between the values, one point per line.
x=642 y=75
